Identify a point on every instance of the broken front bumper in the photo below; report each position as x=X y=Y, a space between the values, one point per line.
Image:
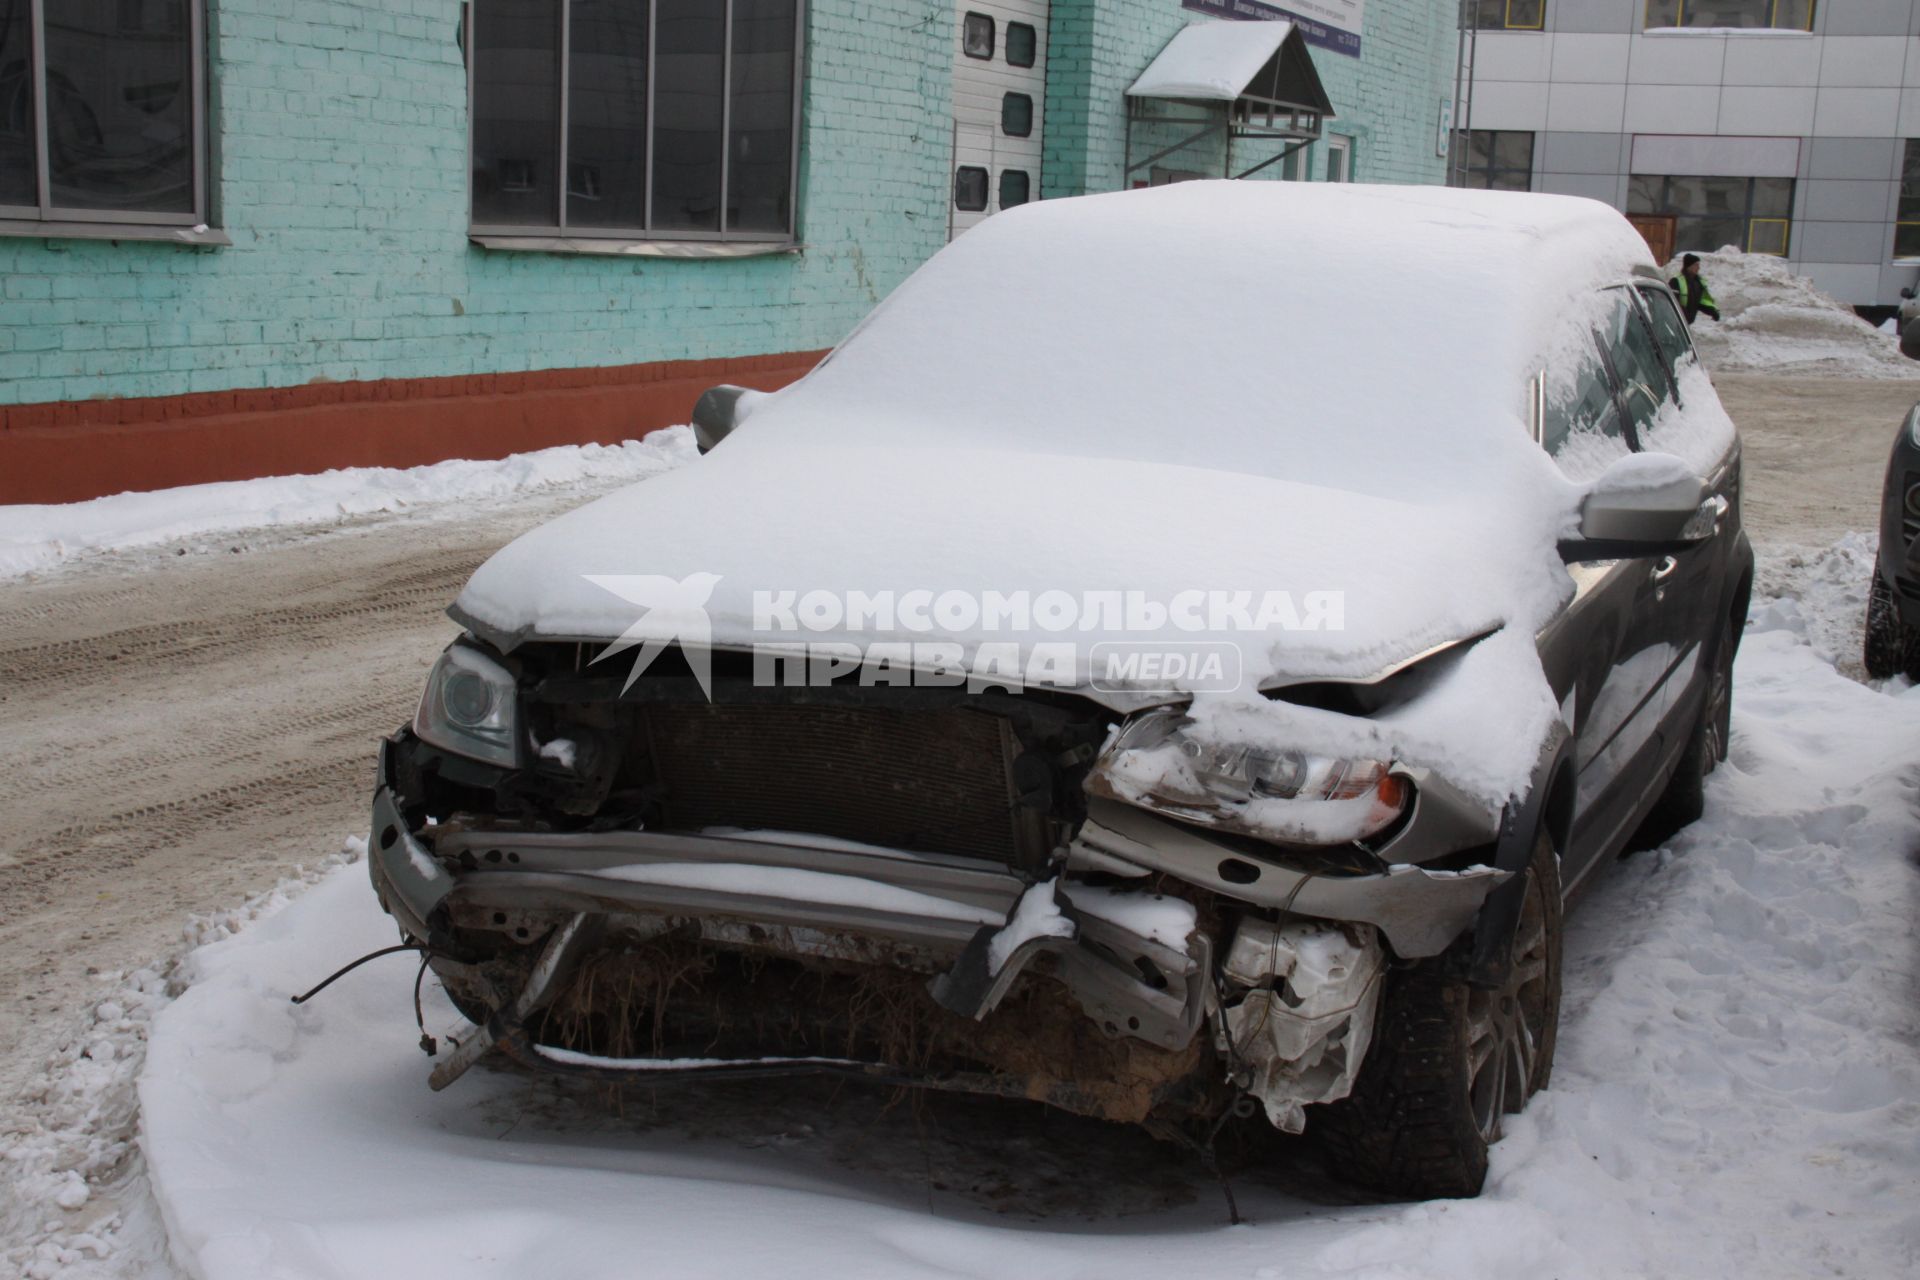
x=1136 y=963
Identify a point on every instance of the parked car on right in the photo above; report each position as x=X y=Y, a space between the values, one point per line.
x=1893 y=599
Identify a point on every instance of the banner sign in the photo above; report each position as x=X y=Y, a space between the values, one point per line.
x=1331 y=24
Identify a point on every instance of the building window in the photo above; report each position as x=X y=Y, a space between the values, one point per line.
x=1779 y=15
x=970 y=188
x=103 y=114
x=1339 y=158
x=976 y=36
x=1906 y=235
x=1016 y=115
x=668 y=119
x=1754 y=214
x=1510 y=15
x=1495 y=160
x=1013 y=187
x=1022 y=42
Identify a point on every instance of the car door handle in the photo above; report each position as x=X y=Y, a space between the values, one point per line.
x=1664 y=570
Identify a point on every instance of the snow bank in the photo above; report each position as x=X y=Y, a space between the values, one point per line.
x=37 y=537
x=1773 y=321
x=1735 y=1094
x=73 y=1198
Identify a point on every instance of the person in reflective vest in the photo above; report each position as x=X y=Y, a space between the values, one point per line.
x=1695 y=297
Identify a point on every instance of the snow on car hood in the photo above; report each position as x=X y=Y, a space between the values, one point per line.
x=1200 y=388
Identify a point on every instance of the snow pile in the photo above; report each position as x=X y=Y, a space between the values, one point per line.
x=1773 y=321
x=37 y=537
x=72 y=1195
x=1735 y=1094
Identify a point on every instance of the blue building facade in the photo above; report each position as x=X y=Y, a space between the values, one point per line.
x=240 y=236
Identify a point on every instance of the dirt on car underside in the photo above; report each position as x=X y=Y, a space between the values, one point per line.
x=675 y=996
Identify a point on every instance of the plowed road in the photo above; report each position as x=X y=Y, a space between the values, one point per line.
x=178 y=732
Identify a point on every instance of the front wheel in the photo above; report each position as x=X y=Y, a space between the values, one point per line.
x=1449 y=1061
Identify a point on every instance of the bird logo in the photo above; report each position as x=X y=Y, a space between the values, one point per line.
x=673 y=611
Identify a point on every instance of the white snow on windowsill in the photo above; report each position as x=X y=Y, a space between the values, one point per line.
x=1787 y=32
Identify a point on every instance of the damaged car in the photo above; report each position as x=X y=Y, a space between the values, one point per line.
x=1126 y=674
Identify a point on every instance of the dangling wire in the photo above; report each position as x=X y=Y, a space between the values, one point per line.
x=346 y=969
x=428 y=1044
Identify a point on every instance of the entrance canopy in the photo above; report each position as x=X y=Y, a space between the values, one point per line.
x=1263 y=64
x=1259 y=72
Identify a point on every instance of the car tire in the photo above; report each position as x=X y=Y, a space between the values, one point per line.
x=1685 y=797
x=1449 y=1061
x=1892 y=647
x=1910 y=339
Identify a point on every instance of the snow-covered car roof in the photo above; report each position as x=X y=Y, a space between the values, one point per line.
x=1368 y=336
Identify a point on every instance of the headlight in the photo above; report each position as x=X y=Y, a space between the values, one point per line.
x=1156 y=763
x=468 y=707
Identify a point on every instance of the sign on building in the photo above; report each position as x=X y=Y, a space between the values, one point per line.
x=1331 y=24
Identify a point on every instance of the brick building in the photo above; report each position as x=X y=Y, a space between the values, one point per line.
x=240 y=237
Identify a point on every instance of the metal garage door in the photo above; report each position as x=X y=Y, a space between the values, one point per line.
x=999 y=95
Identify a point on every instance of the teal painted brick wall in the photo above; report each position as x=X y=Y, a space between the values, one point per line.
x=341 y=133
x=1387 y=100
x=341 y=128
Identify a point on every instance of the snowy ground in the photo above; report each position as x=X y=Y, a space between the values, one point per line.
x=1737 y=1091
x=34 y=539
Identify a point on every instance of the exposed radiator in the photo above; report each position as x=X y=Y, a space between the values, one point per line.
x=933 y=781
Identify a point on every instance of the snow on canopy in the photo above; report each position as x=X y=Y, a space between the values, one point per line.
x=1213 y=61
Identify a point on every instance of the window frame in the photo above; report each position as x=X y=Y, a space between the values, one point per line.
x=1463 y=138
x=560 y=230
x=1000 y=188
x=1506 y=22
x=1746 y=215
x=1680 y=23
x=1341 y=145
x=1033 y=44
x=1007 y=100
x=993 y=36
x=1907 y=210
x=47 y=219
x=986 y=188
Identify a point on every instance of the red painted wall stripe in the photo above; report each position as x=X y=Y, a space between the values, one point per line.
x=81 y=449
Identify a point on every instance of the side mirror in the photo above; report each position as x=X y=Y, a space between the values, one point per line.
x=719 y=411
x=1644 y=504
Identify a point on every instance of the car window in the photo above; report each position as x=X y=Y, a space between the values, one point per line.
x=1579 y=416
x=1669 y=326
x=1637 y=365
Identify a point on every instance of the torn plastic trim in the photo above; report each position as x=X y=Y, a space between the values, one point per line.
x=1303 y=1021
x=1419 y=911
